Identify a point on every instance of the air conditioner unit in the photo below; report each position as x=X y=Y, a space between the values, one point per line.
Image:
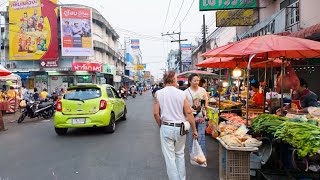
x=11 y=65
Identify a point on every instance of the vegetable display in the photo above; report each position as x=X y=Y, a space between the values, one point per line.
x=304 y=136
x=267 y=123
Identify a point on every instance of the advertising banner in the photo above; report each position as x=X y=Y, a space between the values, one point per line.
x=207 y=5
x=86 y=66
x=241 y=17
x=186 y=53
x=76 y=35
x=33 y=30
x=135 y=43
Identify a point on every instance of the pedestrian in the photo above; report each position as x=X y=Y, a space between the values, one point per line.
x=12 y=93
x=197 y=97
x=44 y=94
x=174 y=108
x=24 y=93
x=36 y=95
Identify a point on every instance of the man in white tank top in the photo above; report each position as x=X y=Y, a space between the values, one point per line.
x=171 y=108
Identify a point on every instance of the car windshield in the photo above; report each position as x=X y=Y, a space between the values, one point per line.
x=83 y=94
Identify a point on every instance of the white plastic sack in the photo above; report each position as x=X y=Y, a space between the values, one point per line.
x=197 y=157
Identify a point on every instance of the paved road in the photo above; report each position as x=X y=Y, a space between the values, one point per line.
x=32 y=151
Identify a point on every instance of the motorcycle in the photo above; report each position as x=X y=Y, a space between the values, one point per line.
x=37 y=109
x=140 y=92
x=133 y=94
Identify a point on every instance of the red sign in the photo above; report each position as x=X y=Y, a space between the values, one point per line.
x=77 y=13
x=86 y=66
x=48 y=64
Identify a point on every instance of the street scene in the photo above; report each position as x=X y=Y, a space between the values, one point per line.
x=143 y=90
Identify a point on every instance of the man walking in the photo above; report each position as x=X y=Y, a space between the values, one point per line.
x=174 y=108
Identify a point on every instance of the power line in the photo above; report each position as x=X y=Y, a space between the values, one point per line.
x=186 y=14
x=177 y=15
x=165 y=21
x=141 y=35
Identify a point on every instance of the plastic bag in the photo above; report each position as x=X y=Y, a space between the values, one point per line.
x=197 y=157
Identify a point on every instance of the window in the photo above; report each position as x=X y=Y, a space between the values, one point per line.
x=115 y=93
x=109 y=93
x=292 y=14
x=83 y=94
x=84 y=79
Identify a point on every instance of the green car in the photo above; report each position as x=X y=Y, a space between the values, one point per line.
x=86 y=106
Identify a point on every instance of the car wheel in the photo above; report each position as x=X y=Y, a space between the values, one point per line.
x=61 y=131
x=112 y=125
x=124 y=116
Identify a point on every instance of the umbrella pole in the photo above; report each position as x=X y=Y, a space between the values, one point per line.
x=219 y=85
x=282 y=85
x=265 y=86
x=248 y=84
x=271 y=88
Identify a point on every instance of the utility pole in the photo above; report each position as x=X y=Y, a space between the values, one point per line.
x=204 y=32
x=179 y=41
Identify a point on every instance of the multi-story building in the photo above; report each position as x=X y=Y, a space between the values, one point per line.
x=172 y=60
x=106 y=53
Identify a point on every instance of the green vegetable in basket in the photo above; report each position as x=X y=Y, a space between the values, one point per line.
x=305 y=137
x=267 y=123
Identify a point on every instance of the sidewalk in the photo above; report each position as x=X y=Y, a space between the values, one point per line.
x=10 y=120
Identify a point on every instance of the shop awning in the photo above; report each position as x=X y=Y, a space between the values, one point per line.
x=307 y=32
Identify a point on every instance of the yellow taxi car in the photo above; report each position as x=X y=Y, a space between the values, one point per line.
x=86 y=106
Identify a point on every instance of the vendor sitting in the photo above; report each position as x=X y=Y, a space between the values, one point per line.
x=257 y=99
x=12 y=93
x=221 y=91
x=302 y=98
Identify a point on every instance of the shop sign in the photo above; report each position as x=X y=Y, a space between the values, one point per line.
x=106 y=69
x=146 y=75
x=243 y=17
x=139 y=67
x=186 y=53
x=268 y=29
x=54 y=78
x=207 y=5
x=86 y=66
x=49 y=64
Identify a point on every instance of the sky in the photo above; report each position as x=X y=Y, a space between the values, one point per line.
x=146 y=20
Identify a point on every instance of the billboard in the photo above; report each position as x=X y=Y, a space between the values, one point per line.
x=135 y=43
x=76 y=31
x=186 y=52
x=33 y=30
x=139 y=67
x=207 y=5
x=241 y=17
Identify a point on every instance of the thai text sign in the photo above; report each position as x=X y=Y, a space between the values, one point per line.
x=48 y=64
x=139 y=67
x=242 y=17
x=206 y=5
x=33 y=30
x=76 y=36
x=86 y=66
x=186 y=53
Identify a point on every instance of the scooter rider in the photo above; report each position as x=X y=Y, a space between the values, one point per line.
x=140 y=90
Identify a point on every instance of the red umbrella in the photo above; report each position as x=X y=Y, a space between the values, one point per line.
x=4 y=71
x=230 y=62
x=199 y=72
x=275 y=46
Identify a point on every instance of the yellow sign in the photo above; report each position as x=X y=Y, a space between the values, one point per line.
x=241 y=17
x=33 y=33
x=138 y=67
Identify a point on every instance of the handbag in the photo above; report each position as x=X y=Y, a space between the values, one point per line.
x=185 y=127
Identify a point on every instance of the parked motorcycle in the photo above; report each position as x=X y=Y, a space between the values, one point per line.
x=35 y=109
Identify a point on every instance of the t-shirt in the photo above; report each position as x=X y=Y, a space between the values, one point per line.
x=171 y=102
x=43 y=94
x=195 y=97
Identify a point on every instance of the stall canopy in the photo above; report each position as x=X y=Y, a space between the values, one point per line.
x=11 y=77
x=4 y=71
x=231 y=62
x=272 y=46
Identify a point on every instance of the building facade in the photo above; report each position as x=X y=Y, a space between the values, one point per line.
x=106 y=54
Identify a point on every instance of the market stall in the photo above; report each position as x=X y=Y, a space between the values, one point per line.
x=295 y=137
x=3 y=105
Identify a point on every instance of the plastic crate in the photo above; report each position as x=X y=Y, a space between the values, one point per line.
x=234 y=165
